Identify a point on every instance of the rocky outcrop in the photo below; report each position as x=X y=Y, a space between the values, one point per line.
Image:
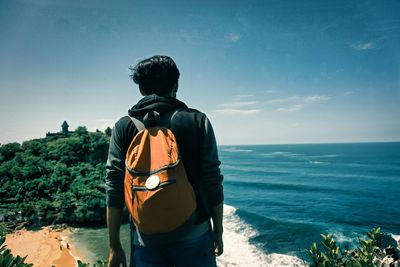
x=387 y=253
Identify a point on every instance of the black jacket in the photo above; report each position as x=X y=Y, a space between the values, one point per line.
x=196 y=143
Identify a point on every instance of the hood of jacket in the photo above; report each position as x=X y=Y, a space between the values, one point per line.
x=161 y=104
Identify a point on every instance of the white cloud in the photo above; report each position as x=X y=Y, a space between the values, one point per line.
x=239 y=107
x=299 y=99
x=292 y=108
x=233 y=37
x=232 y=111
x=239 y=104
x=348 y=93
x=351 y=92
x=284 y=100
x=316 y=98
x=297 y=103
x=244 y=96
x=363 y=46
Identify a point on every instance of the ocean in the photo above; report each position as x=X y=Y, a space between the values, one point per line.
x=280 y=198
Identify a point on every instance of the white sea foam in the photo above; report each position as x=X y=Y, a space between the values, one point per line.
x=326 y=156
x=315 y=162
x=397 y=238
x=238 y=251
x=235 y=149
x=281 y=154
x=65 y=243
x=236 y=168
x=299 y=156
x=342 y=238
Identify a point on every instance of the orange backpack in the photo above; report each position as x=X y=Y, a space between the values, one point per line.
x=158 y=194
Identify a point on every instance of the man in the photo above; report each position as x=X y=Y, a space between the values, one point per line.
x=157 y=78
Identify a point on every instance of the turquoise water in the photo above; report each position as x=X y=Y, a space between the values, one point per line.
x=280 y=198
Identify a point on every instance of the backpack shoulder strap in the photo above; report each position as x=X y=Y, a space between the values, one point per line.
x=166 y=119
x=149 y=119
x=138 y=123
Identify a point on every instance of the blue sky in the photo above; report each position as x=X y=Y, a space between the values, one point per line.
x=265 y=72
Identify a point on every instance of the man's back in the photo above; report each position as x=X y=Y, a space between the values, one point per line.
x=198 y=151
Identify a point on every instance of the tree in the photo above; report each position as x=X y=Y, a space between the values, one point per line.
x=81 y=130
x=8 y=151
x=108 y=131
x=57 y=179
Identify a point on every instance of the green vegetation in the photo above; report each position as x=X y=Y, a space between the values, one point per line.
x=53 y=180
x=98 y=264
x=376 y=250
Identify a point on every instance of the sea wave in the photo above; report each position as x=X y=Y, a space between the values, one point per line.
x=238 y=251
x=342 y=238
x=235 y=149
x=326 y=156
x=286 y=187
x=281 y=154
x=298 y=156
x=316 y=162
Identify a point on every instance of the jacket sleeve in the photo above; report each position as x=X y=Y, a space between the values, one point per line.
x=115 y=169
x=211 y=174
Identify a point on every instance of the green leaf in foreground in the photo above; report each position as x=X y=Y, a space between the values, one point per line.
x=370 y=252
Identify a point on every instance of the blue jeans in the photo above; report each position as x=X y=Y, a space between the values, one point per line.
x=191 y=253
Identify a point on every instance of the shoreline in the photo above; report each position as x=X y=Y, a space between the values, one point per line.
x=44 y=247
x=58 y=247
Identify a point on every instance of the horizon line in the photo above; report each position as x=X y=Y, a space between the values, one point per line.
x=316 y=143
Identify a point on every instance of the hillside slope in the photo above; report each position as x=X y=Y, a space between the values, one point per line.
x=57 y=179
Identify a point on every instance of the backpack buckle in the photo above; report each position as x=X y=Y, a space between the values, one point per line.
x=152 y=182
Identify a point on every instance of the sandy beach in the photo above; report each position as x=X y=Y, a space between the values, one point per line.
x=44 y=247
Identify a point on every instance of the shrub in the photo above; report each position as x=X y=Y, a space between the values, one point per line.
x=371 y=251
x=98 y=264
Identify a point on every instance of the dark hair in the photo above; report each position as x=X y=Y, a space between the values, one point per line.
x=155 y=75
